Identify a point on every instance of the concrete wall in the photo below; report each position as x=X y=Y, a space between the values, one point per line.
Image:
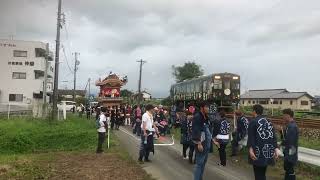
x=27 y=86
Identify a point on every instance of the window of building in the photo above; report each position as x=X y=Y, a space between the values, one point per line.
x=281 y=102
x=263 y=102
x=26 y=63
x=242 y=102
x=291 y=102
x=304 y=103
x=40 y=52
x=20 y=63
x=275 y=102
x=17 y=53
x=16 y=97
x=31 y=63
x=249 y=102
x=9 y=63
x=253 y=102
x=38 y=74
x=19 y=75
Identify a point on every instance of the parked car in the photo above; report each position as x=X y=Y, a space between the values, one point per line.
x=69 y=105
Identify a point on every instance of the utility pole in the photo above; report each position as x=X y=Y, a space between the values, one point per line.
x=45 y=82
x=89 y=88
x=139 y=86
x=76 y=63
x=56 y=67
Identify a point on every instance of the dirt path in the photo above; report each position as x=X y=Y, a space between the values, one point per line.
x=93 y=167
x=74 y=166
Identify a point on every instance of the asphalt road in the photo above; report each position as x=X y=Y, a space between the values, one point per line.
x=167 y=163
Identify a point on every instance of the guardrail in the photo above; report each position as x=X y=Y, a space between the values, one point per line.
x=302 y=123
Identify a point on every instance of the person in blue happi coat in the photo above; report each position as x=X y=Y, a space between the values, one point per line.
x=241 y=133
x=221 y=137
x=262 y=143
x=202 y=139
x=290 y=138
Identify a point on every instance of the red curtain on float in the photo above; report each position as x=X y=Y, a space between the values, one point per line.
x=110 y=92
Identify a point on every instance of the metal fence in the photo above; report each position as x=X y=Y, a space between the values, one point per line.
x=36 y=109
x=12 y=110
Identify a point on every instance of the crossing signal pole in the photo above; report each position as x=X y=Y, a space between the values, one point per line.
x=56 y=67
x=140 y=76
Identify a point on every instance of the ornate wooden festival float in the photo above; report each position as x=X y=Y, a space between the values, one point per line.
x=109 y=94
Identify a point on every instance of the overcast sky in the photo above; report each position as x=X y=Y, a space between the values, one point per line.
x=270 y=43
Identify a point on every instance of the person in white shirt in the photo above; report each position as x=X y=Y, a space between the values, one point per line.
x=103 y=127
x=147 y=132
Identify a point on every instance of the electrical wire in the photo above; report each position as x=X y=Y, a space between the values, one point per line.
x=65 y=56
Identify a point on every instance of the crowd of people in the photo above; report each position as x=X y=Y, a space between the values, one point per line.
x=202 y=129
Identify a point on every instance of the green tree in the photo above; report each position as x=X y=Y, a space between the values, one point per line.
x=81 y=100
x=167 y=101
x=188 y=71
x=126 y=93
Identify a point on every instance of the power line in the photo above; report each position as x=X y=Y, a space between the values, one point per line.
x=65 y=56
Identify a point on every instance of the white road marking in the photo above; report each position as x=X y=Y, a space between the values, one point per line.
x=164 y=144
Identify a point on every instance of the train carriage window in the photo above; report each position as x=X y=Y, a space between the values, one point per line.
x=204 y=86
x=183 y=88
x=217 y=84
x=227 y=84
x=209 y=86
x=236 y=85
x=197 y=87
x=192 y=87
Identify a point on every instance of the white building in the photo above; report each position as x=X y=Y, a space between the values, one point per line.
x=277 y=98
x=145 y=96
x=22 y=69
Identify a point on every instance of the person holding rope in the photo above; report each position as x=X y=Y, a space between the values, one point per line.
x=147 y=132
x=202 y=138
x=262 y=143
x=240 y=134
x=102 y=128
x=290 y=138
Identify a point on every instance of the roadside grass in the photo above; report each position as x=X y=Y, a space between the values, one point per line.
x=312 y=143
x=177 y=134
x=30 y=148
x=29 y=135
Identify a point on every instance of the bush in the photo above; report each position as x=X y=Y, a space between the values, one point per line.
x=30 y=135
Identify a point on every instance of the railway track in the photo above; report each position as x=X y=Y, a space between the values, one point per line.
x=302 y=123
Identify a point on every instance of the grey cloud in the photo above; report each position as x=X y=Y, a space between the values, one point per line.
x=292 y=31
x=220 y=35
